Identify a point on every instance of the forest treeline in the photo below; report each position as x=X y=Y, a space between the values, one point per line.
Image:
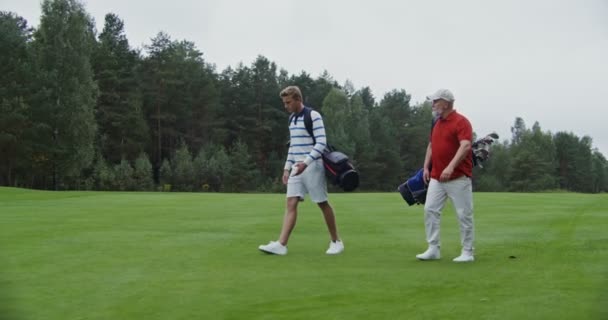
x=82 y=109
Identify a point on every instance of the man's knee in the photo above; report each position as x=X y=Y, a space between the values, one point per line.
x=292 y=203
x=432 y=212
x=323 y=204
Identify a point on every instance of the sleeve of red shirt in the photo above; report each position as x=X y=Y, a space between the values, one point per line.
x=465 y=130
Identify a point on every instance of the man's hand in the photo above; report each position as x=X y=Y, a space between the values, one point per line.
x=461 y=153
x=285 y=176
x=301 y=166
x=426 y=176
x=446 y=174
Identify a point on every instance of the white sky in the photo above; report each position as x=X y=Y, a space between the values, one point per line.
x=542 y=60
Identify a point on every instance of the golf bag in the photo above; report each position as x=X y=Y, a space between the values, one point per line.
x=413 y=190
x=338 y=169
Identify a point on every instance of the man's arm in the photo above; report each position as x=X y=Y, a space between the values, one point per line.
x=289 y=162
x=318 y=129
x=426 y=173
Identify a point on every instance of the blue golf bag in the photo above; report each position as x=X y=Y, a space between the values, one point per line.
x=414 y=189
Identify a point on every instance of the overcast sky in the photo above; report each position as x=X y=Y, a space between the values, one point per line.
x=541 y=60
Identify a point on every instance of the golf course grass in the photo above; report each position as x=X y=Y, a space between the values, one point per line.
x=121 y=255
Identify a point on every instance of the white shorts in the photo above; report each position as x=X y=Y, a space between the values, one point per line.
x=311 y=181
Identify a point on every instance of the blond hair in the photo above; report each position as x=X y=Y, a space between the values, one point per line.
x=293 y=92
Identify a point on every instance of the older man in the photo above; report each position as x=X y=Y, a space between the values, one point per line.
x=448 y=167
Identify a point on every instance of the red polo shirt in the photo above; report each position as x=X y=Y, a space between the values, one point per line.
x=445 y=141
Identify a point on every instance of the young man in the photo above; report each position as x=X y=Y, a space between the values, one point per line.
x=448 y=167
x=305 y=164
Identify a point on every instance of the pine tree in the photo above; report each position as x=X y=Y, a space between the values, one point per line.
x=123 y=132
x=15 y=78
x=143 y=174
x=63 y=112
x=183 y=170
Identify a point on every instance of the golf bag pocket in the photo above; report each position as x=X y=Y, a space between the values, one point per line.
x=340 y=171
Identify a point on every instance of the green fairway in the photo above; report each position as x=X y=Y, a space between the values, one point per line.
x=111 y=255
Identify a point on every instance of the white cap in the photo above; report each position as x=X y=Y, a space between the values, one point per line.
x=444 y=94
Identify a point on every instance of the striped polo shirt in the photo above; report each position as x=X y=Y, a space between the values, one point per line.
x=301 y=148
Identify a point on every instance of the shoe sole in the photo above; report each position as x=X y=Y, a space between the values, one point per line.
x=428 y=259
x=270 y=252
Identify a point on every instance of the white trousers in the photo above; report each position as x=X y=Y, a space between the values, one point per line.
x=460 y=192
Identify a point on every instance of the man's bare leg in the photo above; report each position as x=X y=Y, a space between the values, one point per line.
x=330 y=220
x=289 y=221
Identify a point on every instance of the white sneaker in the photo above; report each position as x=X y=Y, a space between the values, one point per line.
x=335 y=247
x=465 y=256
x=432 y=253
x=274 y=247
